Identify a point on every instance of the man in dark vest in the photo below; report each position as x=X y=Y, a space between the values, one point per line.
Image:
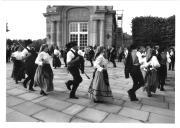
x=74 y=63
x=132 y=67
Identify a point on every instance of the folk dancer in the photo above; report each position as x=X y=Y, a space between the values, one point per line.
x=74 y=63
x=44 y=74
x=99 y=88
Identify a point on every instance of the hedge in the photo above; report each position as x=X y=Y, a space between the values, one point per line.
x=153 y=31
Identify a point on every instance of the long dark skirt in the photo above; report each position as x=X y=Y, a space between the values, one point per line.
x=18 y=70
x=56 y=61
x=99 y=88
x=152 y=80
x=162 y=74
x=44 y=78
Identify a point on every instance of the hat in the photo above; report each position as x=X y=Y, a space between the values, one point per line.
x=71 y=44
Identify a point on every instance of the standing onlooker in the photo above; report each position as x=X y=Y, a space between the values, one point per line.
x=172 y=57
x=113 y=56
x=132 y=67
x=162 y=71
x=44 y=74
x=99 y=88
x=8 y=53
x=90 y=55
x=56 y=56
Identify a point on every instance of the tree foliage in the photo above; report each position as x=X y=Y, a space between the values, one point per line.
x=153 y=31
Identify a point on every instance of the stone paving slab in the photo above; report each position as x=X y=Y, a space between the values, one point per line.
x=74 y=109
x=9 y=110
x=12 y=101
x=19 y=117
x=113 y=118
x=82 y=101
x=135 y=114
x=161 y=111
x=154 y=103
x=172 y=106
x=39 y=99
x=59 y=95
x=93 y=115
x=155 y=118
x=29 y=96
x=78 y=120
x=55 y=104
x=49 y=115
x=110 y=108
x=170 y=100
x=16 y=91
x=133 y=105
x=28 y=108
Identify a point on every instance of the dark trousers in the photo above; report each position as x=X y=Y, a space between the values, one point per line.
x=113 y=61
x=171 y=65
x=91 y=62
x=137 y=78
x=77 y=79
x=65 y=61
x=162 y=72
x=31 y=82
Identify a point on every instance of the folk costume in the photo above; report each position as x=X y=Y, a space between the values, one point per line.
x=75 y=62
x=56 y=60
x=132 y=67
x=152 y=78
x=162 y=70
x=30 y=68
x=44 y=74
x=113 y=56
x=18 y=71
x=99 y=89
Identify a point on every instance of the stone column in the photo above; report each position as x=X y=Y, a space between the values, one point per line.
x=58 y=34
x=101 y=32
x=53 y=32
x=94 y=33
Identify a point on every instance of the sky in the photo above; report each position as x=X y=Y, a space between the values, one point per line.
x=26 y=20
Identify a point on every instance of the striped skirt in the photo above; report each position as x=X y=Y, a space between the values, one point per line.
x=44 y=78
x=99 y=89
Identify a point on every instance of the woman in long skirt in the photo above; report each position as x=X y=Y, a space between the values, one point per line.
x=152 y=80
x=44 y=75
x=99 y=88
x=18 y=71
x=56 y=56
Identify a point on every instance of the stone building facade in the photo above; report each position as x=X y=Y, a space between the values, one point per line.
x=88 y=25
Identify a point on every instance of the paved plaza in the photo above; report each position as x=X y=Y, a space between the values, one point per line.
x=25 y=106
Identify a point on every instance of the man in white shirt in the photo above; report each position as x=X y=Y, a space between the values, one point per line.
x=74 y=61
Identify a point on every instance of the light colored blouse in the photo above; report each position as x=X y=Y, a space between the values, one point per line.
x=100 y=62
x=57 y=52
x=43 y=57
x=17 y=55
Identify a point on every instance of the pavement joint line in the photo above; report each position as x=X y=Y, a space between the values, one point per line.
x=105 y=117
x=148 y=117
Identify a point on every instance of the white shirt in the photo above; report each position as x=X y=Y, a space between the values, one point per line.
x=17 y=55
x=154 y=62
x=80 y=52
x=100 y=62
x=42 y=57
x=25 y=52
x=57 y=52
x=70 y=55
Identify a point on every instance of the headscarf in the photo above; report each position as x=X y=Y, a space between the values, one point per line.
x=99 y=50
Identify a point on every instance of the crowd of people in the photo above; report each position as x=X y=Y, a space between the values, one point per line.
x=147 y=67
